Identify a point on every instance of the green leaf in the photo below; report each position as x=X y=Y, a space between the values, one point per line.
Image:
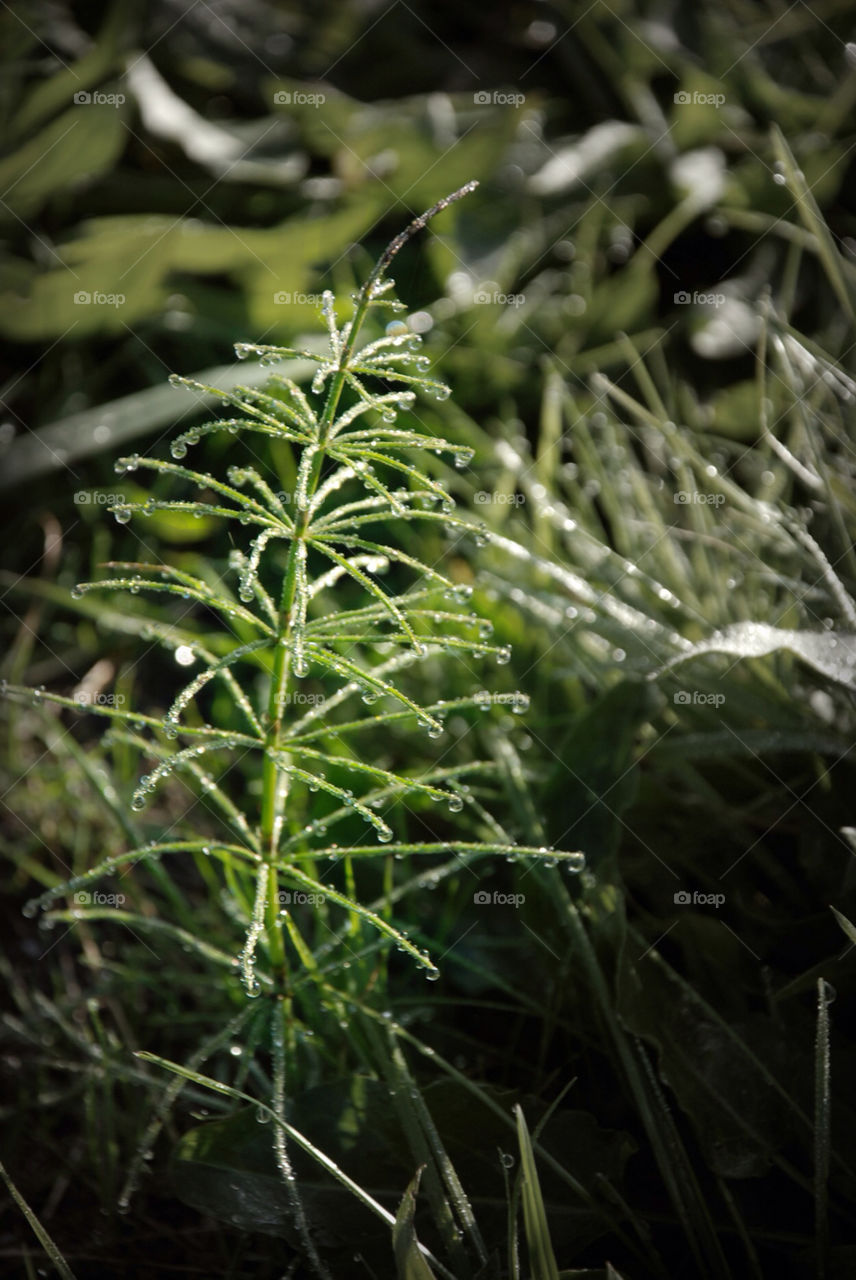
x=227 y=1168
x=725 y=1078
x=79 y=145
x=541 y=1256
x=847 y=925
x=812 y=219
x=52 y=95
x=409 y=1261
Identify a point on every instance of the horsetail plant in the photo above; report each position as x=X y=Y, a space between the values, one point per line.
x=354 y=479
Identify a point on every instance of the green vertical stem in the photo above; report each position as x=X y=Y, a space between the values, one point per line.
x=274 y=780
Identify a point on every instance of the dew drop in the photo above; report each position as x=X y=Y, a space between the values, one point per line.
x=122 y=514
x=178 y=449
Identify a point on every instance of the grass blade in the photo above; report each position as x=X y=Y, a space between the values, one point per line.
x=409 y=1262
x=44 y=1239
x=541 y=1256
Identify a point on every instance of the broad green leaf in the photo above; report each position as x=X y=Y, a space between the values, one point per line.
x=49 y=96
x=76 y=147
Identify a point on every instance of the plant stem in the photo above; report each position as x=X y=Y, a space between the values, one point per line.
x=275 y=780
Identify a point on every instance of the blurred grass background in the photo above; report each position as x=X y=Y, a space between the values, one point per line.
x=666 y=192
